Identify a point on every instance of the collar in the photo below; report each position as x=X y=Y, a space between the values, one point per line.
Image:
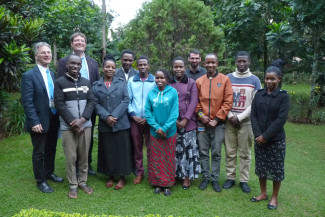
x=150 y=78
x=83 y=56
x=184 y=80
x=198 y=70
x=72 y=78
x=215 y=75
x=101 y=81
x=245 y=74
x=42 y=69
x=274 y=93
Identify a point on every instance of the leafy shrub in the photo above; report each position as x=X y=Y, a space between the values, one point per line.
x=4 y=100
x=48 y=213
x=299 y=104
x=16 y=118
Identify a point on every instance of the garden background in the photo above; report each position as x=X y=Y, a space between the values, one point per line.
x=163 y=29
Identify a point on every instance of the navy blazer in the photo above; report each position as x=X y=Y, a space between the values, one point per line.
x=112 y=101
x=92 y=67
x=120 y=73
x=35 y=100
x=269 y=114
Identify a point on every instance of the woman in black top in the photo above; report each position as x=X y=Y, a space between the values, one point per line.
x=270 y=109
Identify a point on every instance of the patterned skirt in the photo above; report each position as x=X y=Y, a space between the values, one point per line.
x=187 y=155
x=161 y=164
x=269 y=160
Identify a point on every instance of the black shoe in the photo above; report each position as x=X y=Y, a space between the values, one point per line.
x=91 y=171
x=185 y=187
x=157 y=190
x=244 y=186
x=228 y=184
x=272 y=207
x=215 y=186
x=167 y=192
x=44 y=187
x=254 y=199
x=204 y=184
x=54 y=178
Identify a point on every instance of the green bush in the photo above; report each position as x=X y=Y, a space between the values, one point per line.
x=48 y=213
x=299 y=104
x=16 y=118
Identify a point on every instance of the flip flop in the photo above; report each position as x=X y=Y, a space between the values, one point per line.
x=73 y=193
x=87 y=189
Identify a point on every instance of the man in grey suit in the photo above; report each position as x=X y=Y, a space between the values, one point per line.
x=126 y=71
x=89 y=70
x=42 y=120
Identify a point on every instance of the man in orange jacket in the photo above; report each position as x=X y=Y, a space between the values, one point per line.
x=215 y=101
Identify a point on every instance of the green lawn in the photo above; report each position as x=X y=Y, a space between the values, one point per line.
x=302 y=192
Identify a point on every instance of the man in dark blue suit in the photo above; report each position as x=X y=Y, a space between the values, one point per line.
x=89 y=70
x=42 y=121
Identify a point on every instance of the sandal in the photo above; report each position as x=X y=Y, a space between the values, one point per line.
x=109 y=183
x=73 y=193
x=87 y=189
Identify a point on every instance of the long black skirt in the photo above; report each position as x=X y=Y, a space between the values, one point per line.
x=114 y=153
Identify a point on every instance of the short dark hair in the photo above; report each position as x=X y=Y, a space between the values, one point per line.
x=71 y=55
x=179 y=58
x=166 y=74
x=243 y=54
x=108 y=57
x=195 y=51
x=78 y=34
x=127 y=51
x=142 y=57
x=274 y=69
x=212 y=54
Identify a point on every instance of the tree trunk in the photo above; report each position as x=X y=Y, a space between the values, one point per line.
x=55 y=54
x=313 y=77
x=104 y=29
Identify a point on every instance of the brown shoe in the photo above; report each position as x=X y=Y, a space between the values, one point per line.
x=137 y=180
x=120 y=184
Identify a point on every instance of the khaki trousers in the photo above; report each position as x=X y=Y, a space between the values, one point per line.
x=238 y=140
x=74 y=146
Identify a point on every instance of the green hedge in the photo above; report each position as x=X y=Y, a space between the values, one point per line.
x=47 y=213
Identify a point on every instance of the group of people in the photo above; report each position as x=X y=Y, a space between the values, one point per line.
x=183 y=118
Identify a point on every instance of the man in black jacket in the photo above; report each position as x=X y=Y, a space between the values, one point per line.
x=126 y=71
x=75 y=103
x=89 y=70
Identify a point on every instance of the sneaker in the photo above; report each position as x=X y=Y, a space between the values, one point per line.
x=204 y=184
x=244 y=186
x=228 y=184
x=215 y=186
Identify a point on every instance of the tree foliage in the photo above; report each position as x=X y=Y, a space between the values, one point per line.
x=163 y=30
x=24 y=22
x=17 y=33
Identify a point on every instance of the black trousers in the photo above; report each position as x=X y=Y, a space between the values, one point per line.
x=44 y=149
x=93 y=121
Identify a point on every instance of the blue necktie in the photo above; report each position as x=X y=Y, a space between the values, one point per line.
x=51 y=90
x=83 y=70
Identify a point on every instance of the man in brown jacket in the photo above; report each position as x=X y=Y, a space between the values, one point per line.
x=215 y=101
